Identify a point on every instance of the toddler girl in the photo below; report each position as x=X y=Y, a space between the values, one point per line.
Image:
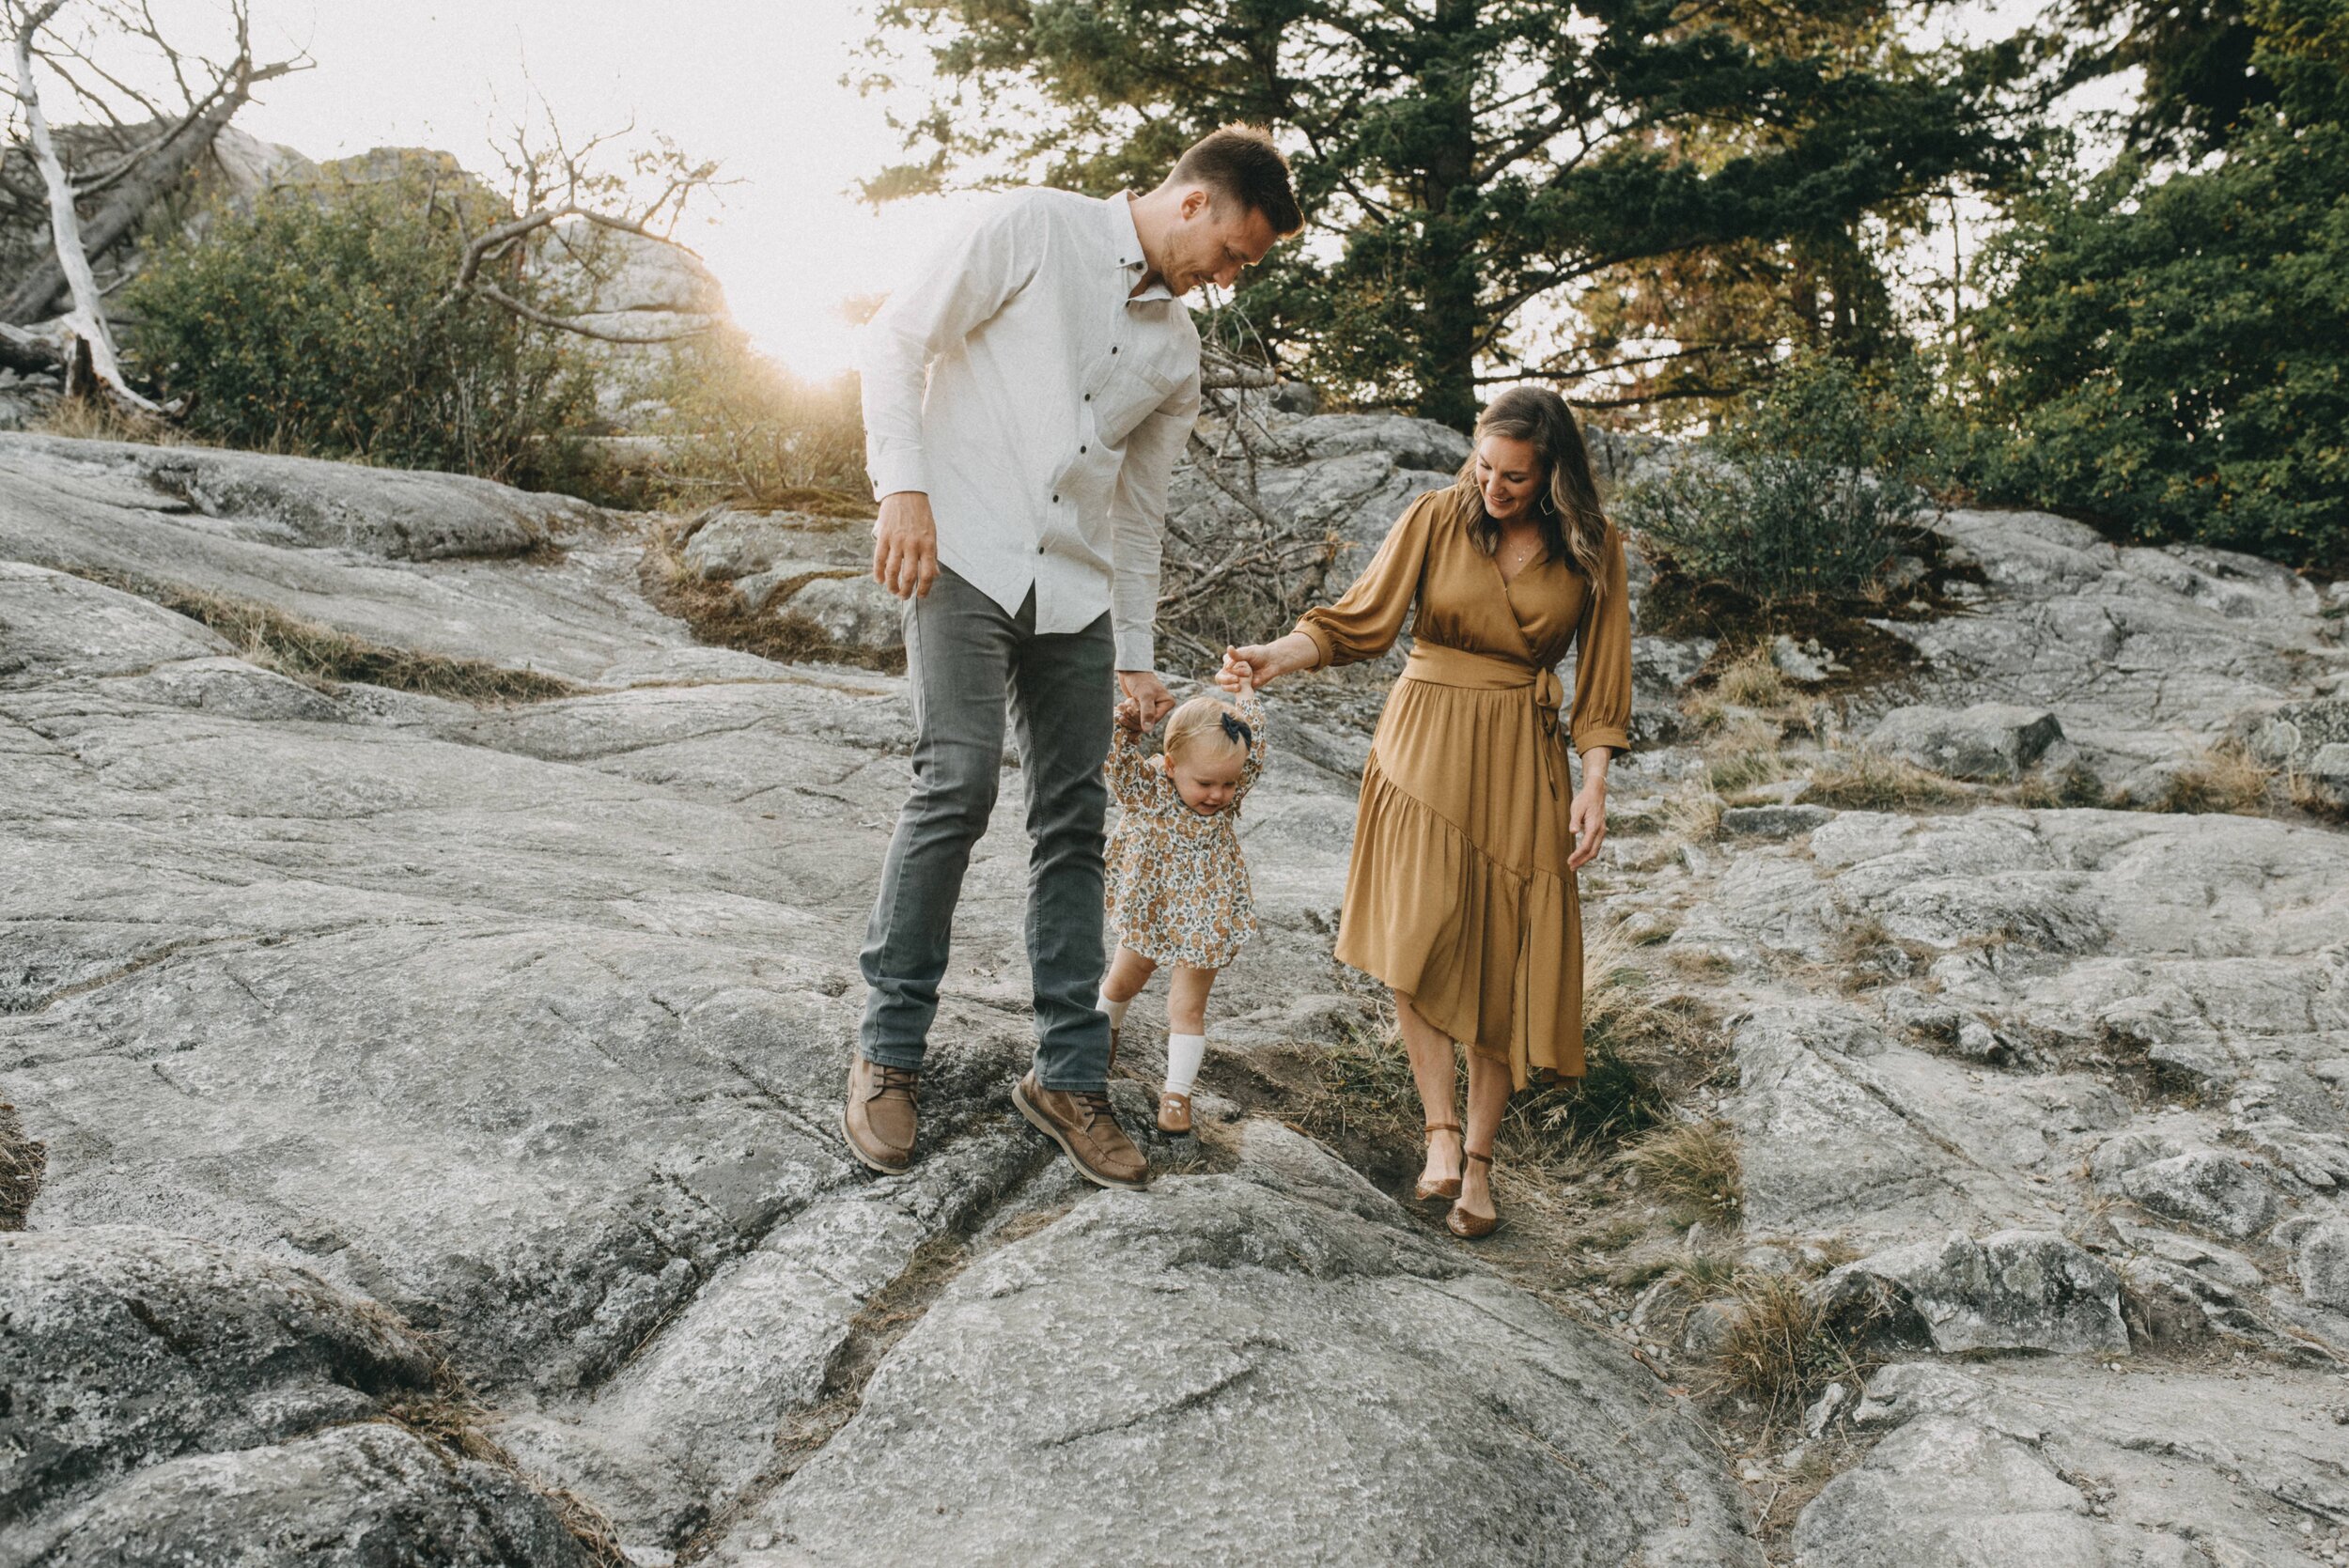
x=1178 y=886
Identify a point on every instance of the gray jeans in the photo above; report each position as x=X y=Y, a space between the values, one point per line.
x=963 y=656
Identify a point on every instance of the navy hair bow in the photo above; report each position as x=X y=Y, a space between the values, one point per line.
x=1233 y=729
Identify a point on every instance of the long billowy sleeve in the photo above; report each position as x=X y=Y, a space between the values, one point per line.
x=1365 y=622
x=1602 y=660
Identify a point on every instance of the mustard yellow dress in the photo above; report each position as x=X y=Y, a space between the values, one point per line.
x=1458 y=894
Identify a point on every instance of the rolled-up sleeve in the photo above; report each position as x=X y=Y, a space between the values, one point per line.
x=1369 y=616
x=1602 y=659
x=1137 y=519
x=968 y=279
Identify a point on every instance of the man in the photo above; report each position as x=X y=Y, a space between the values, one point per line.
x=1025 y=402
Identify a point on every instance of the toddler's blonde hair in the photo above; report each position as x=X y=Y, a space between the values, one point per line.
x=1200 y=722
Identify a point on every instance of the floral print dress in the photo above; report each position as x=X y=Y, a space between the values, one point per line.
x=1178 y=886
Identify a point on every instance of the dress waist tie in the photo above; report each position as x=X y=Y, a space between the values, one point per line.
x=1486 y=671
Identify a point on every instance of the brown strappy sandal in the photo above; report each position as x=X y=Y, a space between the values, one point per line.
x=1425 y=1189
x=1467 y=1226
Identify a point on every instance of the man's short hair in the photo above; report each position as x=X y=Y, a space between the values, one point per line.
x=1241 y=161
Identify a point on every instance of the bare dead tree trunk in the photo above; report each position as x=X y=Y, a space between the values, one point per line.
x=86 y=321
x=143 y=175
x=34 y=294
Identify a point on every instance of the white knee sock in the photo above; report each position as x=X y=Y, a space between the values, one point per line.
x=1117 y=1010
x=1184 y=1052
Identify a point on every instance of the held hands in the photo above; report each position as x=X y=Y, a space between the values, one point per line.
x=1146 y=695
x=1249 y=668
x=905 y=545
x=1128 y=716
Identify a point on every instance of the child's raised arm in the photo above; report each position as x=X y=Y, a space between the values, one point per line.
x=1130 y=770
x=1250 y=708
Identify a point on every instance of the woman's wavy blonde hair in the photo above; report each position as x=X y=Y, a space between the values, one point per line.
x=1574 y=526
x=1204 y=722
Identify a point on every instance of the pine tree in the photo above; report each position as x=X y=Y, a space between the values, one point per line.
x=1469 y=167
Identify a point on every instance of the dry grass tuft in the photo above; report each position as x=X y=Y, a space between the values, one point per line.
x=22 y=1161
x=1748 y=685
x=1870 y=781
x=1692 y=815
x=1747 y=755
x=1692 y=1166
x=1780 y=1349
x=2312 y=798
x=321 y=653
x=1754 y=680
x=2074 y=788
x=2224 y=780
x=1698 y=963
x=98 y=419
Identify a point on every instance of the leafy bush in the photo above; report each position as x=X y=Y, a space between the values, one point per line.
x=2170 y=358
x=320 y=323
x=1806 y=494
x=740 y=426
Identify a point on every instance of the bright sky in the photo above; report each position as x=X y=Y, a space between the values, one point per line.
x=755 y=84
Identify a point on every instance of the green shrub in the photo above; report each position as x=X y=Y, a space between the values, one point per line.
x=1806 y=494
x=2169 y=358
x=319 y=323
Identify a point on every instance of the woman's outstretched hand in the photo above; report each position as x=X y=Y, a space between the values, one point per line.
x=1259 y=665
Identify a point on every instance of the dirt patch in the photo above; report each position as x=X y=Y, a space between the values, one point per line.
x=1678 y=605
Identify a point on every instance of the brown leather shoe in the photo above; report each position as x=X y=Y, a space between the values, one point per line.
x=879 y=1121
x=1086 y=1130
x=1174 y=1114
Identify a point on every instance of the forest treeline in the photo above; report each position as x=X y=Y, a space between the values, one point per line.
x=1731 y=219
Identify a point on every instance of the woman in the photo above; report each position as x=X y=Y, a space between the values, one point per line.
x=1461 y=894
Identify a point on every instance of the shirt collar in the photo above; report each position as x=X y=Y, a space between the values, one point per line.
x=1125 y=246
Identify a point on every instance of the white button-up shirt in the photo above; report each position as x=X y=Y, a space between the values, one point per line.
x=1055 y=404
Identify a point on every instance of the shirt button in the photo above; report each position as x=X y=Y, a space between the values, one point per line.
x=1088 y=397
x=1112 y=348
x=1055 y=501
x=1082 y=450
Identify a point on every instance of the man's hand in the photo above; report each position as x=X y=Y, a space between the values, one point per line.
x=905 y=545
x=1148 y=694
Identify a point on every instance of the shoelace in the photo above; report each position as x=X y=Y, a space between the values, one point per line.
x=1096 y=1108
x=893 y=1080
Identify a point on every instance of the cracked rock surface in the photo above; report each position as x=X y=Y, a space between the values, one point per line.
x=350 y=1032
x=521 y=1029
x=1291 y=1382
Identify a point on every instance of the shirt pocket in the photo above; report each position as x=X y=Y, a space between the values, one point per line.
x=1127 y=396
